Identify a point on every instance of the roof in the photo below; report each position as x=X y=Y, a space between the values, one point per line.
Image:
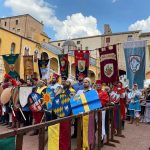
x=145 y=34
x=54 y=49
x=44 y=34
x=22 y=16
x=117 y=33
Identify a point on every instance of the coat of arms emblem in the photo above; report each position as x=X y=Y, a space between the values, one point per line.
x=134 y=62
x=81 y=65
x=109 y=70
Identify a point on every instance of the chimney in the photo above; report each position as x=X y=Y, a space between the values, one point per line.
x=107 y=29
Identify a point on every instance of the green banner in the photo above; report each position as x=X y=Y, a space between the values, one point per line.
x=8 y=143
x=11 y=59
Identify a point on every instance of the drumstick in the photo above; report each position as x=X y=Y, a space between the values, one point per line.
x=13 y=111
x=22 y=114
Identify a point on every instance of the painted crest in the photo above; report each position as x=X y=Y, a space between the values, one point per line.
x=109 y=70
x=134 y=62
x=61 y=105
x=81 y=65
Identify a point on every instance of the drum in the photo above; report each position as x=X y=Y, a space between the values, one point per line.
x=6 y=95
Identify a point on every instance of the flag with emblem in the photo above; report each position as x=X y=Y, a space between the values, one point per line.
x=34 y=101
x=61 y=105
x=63 y=61
x=47 y=97
x=85 y=102
x=82 y=62
x=109 y=64
x=59 y=136
x=135 y=62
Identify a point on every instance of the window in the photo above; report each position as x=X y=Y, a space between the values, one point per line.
x=5 y=24
x=108 y=40
x=18 y=30
x=130 y=38
x=12 y=49
x=78 y=42
x=43 y=40
x=16 y=22
x=13 y=28
x=58 y=44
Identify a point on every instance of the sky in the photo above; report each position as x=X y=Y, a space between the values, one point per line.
x=64 y=19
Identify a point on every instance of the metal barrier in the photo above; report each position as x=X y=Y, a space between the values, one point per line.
x=19 y=133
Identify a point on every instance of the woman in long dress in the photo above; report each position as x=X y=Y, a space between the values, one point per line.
x=134 y=105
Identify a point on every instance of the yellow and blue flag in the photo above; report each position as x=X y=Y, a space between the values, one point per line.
x=85 y=102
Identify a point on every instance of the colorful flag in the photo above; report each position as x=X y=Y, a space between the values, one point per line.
x=10 y=63
x=61 y=105
x=63 y=61
x=34 y=100
x=8 y=143
x=109 y=64
x=28 y=66
x=135 y=62
x=11 y=59
x=88 y=130
x=47 y=97
x=85 y=102
x=44 y=68
x=59 y=136
x=82 y=62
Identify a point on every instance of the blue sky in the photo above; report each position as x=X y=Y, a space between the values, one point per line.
x=85 y=17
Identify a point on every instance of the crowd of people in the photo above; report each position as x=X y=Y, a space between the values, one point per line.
x=129 y=100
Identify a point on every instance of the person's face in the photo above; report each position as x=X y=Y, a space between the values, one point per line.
x=135 y=87
x=68 y=83
x=53 y=80
x=63 y=81
x=29 y=82
x=99 y=86
x=80 y=78
x=86 y=84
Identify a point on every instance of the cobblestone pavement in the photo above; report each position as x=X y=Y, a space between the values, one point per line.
x=136 y=138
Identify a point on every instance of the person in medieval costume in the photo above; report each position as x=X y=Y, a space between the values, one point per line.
x=54 y=83
x=79 y=85
x=104 y=98
x=121 y=91
x=134 y=104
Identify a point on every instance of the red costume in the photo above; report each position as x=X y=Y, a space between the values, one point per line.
x=103 y=95
x=120 y=90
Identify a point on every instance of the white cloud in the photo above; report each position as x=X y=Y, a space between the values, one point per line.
x=73 y=26
x=114 y=1
x=143 y=25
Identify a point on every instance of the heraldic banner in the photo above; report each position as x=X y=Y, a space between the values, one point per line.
x=109 y=64
x=28 y=66
x=63 y=61
x=10 y=61
x=135 y=62
x=59 y=136
x=44 y=68
x=82 y=62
